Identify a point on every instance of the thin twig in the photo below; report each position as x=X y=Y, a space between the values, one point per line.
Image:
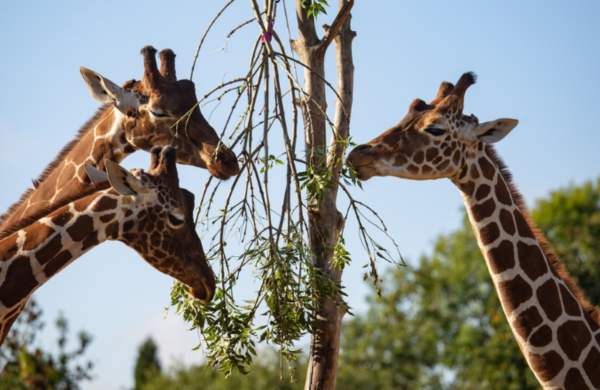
x=336 y=26
x=205 y=34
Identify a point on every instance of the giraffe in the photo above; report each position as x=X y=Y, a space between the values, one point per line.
x=156 y=111
x=145 y=210
x=556 y=328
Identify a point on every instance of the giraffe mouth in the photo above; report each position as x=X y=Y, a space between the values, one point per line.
x=222 y=163
x=204 y=294
x=361 y=172
x=361 y=168
x=360 y=160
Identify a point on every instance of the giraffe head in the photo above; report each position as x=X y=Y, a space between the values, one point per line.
x=432 y=141
x=158 y=219
x=160 y=110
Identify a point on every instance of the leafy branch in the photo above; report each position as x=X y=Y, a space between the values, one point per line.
x=267 y=207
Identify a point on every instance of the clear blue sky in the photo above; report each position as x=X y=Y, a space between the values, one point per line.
x=538 y=61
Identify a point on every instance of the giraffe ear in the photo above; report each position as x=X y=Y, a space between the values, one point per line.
x=122 y=180
x=494 y=131
x=95 y=175
x=107 y=92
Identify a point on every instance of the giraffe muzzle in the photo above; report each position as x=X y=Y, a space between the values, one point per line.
x=205 y=292
x=220 y=161
x=360 y=161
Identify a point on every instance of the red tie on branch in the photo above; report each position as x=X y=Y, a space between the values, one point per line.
x=267 y=35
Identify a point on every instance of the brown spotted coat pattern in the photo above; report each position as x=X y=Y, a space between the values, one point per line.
x=556 y=327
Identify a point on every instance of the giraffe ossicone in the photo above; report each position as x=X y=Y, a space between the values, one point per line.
x=556 y=328
x=147 y=211
x=158 y=110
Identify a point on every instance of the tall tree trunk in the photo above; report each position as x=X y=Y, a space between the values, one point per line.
x=325 y=221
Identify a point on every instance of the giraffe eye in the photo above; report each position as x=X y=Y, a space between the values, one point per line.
x=175 y=221
x=436 y=131
x=159 y=114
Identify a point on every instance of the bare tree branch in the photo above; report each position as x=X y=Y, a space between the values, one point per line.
x=339 y=21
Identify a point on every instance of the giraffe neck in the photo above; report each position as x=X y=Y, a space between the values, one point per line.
x=65 y=179
x=32 y=255
x=556 y=328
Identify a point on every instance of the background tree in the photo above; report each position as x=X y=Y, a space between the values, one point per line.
x=25 y=365
x=147 y=363
x=264 y=374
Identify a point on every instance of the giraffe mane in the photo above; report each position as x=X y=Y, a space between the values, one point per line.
x=49 y=168
x=557 y=266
